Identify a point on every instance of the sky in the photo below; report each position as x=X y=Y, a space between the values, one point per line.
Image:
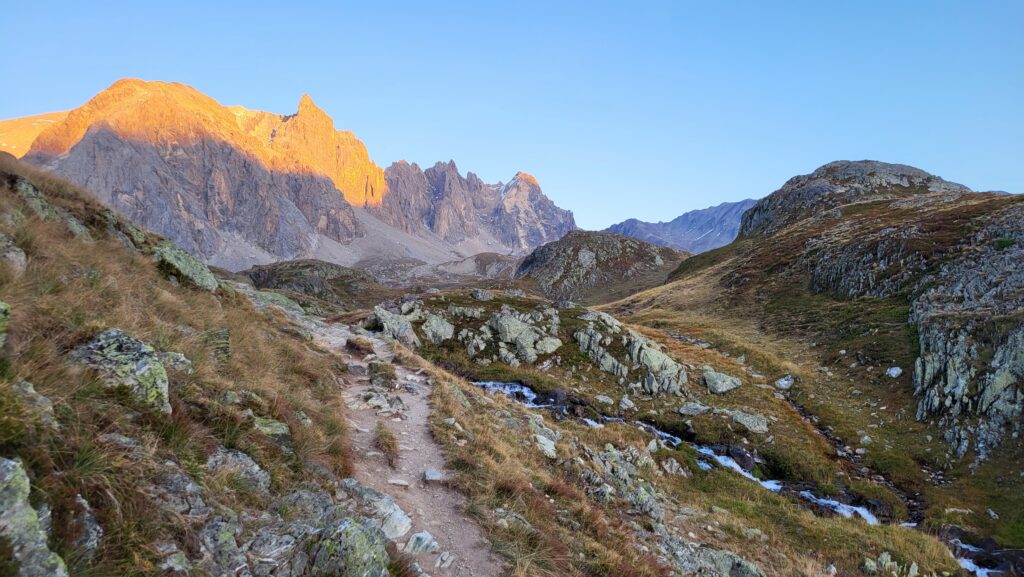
x=620 y=109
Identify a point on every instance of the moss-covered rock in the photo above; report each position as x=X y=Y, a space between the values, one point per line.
x=125 y=361
x=173 y=260
x=350 y=548
x=20 y=528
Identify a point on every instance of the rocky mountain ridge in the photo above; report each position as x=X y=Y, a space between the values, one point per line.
x=239 y=187
x=839 y=183
x=694 y=231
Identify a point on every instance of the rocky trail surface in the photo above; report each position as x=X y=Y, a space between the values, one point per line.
x=455 y=546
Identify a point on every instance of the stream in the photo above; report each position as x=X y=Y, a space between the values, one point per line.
x=975 y=560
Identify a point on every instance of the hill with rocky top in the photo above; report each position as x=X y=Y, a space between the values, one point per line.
x=597 y=266
x=893 y=300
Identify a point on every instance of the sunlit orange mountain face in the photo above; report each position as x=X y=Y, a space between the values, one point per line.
x=237 y=186
x=167 y=114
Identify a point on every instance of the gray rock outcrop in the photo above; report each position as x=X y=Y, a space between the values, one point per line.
x=125 y=361
x=20 y=526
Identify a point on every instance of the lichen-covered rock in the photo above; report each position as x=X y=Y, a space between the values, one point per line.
x=88 y=532
x=5 y=319
x=176 y=261
x=247 y=471
x=280 y=549
x=590 y=341
x=720 y=383
x=218 y=541
x=969 y=372
x=692 y=409
x=125 y=361
x=382 y=509
x=350 y=548
x=263 y=299
x=12 y=255
x=419 y=543
x=74 y=225
x=219 y=341
x=398 y=327
x=175 y=361
x=275 y=431
x=33 y=198
x=39 y=405
x=753 y=422
x=546 y=446
x=482 y=295
x=436 y=329
x=696 y=559
x=466 y=312
x=176 y=492
x=20 y=527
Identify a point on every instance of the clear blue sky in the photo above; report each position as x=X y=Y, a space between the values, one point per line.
x=629 y=109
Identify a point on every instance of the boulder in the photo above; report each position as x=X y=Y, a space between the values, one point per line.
x=548 y=345
x=785 y=383
x=419 y=543
x=692 y=409
x=482 y=295
x=125 y=361
x=218 y=541
x=382 y=509
x=350 y=548
x=398 y=327
x=39 y=405
x=720 y=383
x=436 y=329
x=11 y=255
x=20 y=527
x=176 y=492
x=175 y=261
x=88 y=532
x=276 y=431
x=753 y=422
x=247 y=471
x=546 y=446
x=279 y=550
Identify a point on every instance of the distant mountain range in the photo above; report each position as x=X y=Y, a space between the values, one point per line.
x=239 y=187
x=694 y=231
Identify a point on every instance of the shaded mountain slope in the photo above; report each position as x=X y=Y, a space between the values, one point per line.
x=597 y=266
x=238 y=187
x=695 y=231
x=896 y=298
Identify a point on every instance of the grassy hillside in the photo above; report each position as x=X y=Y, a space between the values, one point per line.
x=781 y=301
x=70 y=290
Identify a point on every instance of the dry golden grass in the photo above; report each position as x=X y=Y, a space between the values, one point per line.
x=70 y=291
x=387 y=443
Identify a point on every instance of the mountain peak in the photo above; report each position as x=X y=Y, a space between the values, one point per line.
x=307 y=106
x=527 y=178
x=839 y=183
